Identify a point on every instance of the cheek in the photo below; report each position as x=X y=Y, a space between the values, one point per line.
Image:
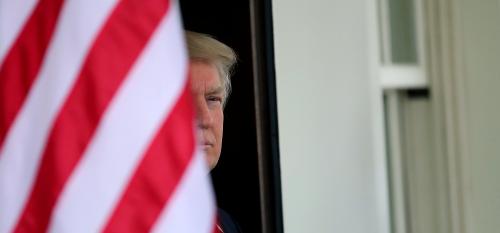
x=219 y=122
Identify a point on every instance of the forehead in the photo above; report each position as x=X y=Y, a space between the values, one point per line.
x=204 y=76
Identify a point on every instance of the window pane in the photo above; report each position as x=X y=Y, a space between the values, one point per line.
x=403 y=38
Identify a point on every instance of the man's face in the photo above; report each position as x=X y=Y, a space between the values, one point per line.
x=208 y=94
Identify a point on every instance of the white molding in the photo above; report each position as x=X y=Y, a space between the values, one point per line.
x=402 y=77
x=380 y=174
x=456 y=101
x=385 y=32
x=446 y=78
x=396 y=166
x=420 y=33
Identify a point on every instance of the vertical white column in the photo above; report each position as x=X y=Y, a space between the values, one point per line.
x=330 y=116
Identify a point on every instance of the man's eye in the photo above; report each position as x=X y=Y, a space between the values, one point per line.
x=214 y=99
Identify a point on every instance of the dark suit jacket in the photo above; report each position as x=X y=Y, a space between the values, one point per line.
x=227 y=223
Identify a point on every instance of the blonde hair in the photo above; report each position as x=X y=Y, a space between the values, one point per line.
x=205 y=48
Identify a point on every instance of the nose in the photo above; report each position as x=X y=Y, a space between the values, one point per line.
x=203 y=116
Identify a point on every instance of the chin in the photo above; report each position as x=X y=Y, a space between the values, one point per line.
x=212 y=164
x=210 y=161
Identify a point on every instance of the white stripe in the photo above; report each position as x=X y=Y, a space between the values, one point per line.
x=191 y=208
x=125 y=133
x=13 y=16
x=79 y=23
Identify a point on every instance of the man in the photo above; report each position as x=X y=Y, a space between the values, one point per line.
x=210 y=68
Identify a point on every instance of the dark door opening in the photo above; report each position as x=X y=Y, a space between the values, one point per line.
x=246 y=180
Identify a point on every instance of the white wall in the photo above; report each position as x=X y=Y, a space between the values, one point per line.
x=480 y=22
x=330 y=117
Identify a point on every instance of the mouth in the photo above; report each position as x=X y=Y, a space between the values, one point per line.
x=206 y=145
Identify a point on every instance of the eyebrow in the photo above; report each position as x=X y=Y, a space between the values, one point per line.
x=216 y=90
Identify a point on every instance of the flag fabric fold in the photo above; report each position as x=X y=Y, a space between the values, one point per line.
x=96 y=123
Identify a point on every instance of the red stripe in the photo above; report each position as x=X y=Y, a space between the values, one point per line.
x=158 y=173
x=217 y=226
x=22 y=62
x=115 y=50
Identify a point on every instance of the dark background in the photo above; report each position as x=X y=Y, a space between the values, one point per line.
x=236 y=178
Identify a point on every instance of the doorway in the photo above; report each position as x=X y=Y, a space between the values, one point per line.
x=247 y=178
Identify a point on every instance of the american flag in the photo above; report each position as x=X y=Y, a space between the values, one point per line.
x=96 y=123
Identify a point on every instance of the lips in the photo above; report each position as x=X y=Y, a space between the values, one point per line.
x=207 y=144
